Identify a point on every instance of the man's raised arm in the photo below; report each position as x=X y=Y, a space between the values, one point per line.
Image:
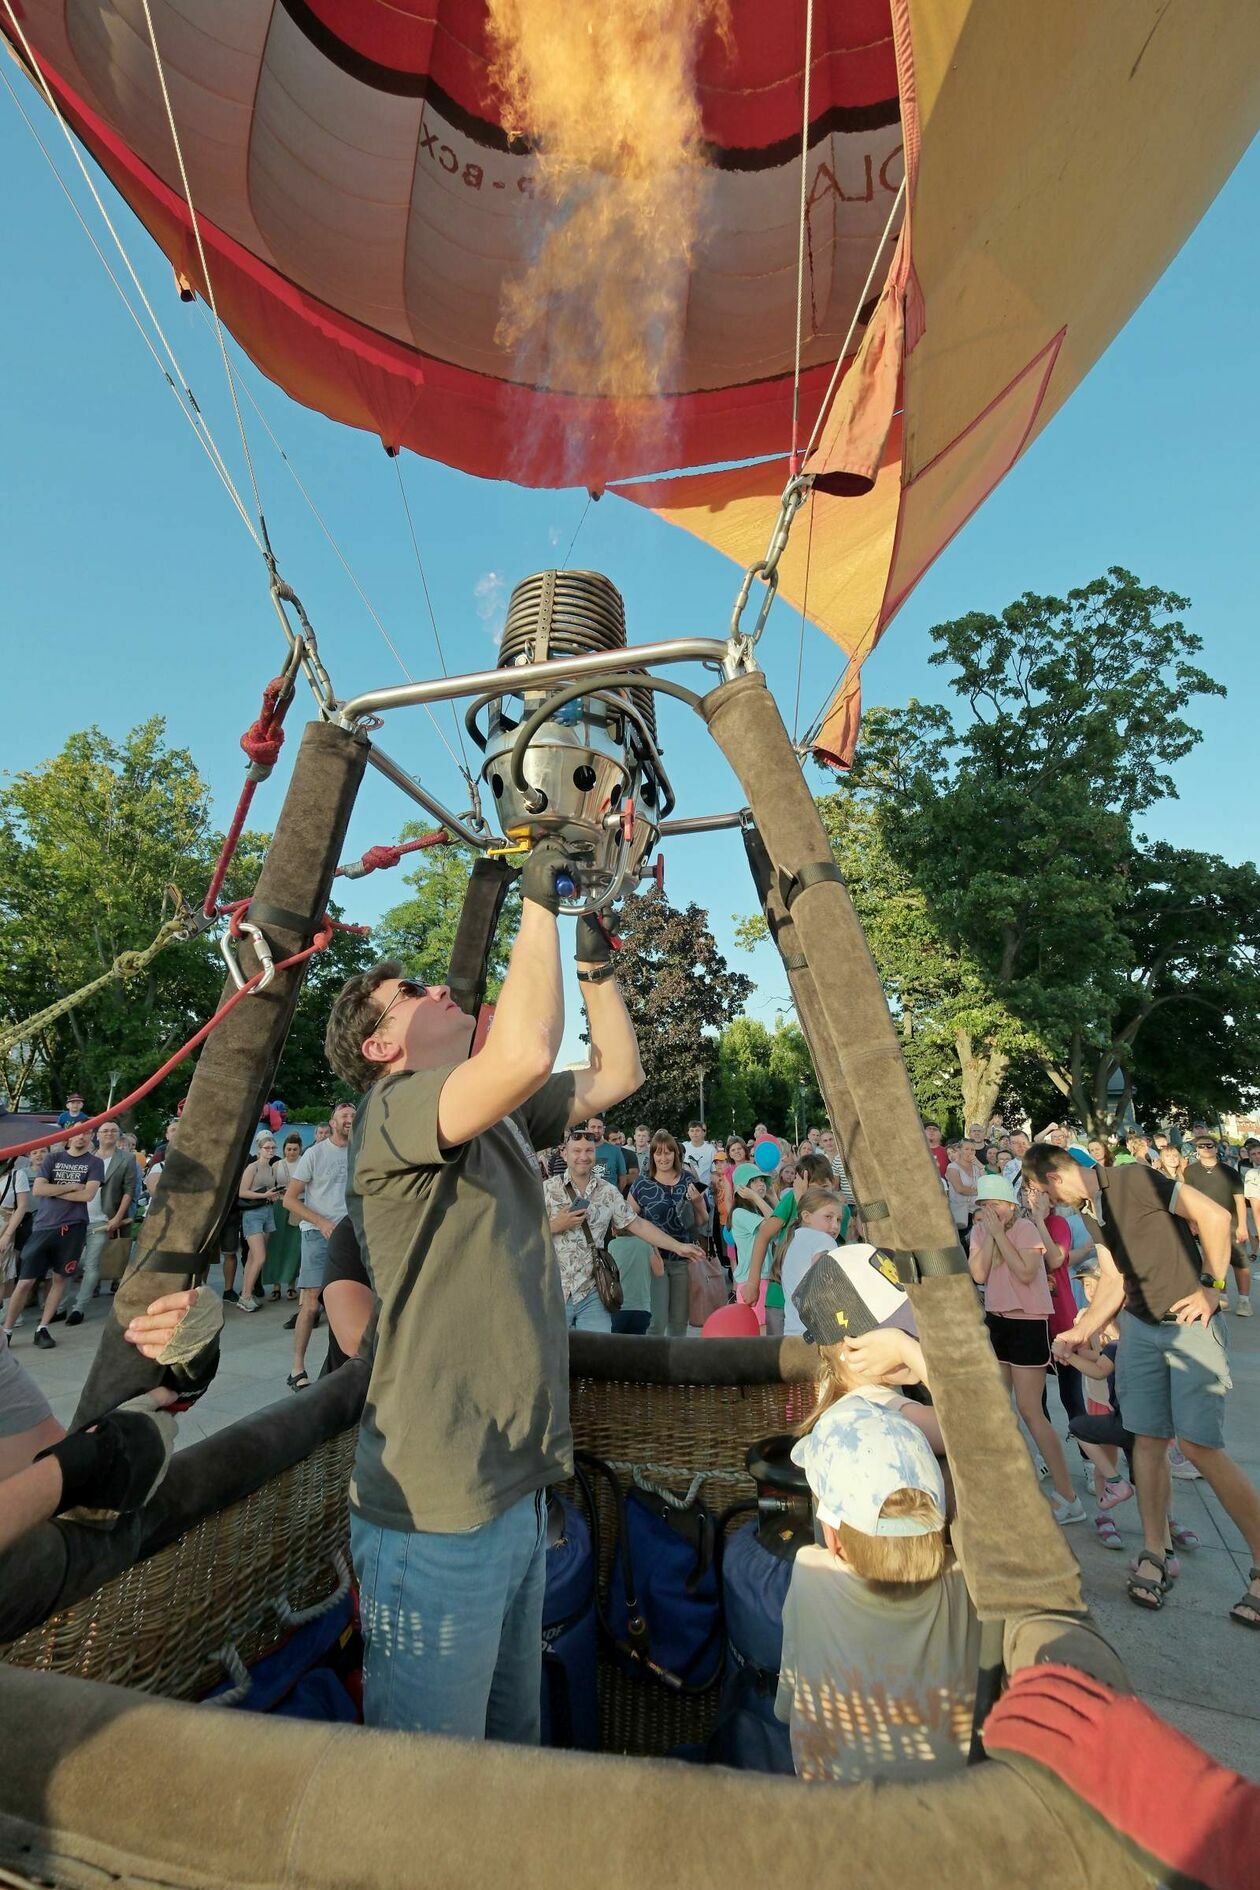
x=519 y=1054
x=614 y=1071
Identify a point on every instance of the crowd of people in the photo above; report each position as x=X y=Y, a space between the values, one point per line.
x=471 y=1210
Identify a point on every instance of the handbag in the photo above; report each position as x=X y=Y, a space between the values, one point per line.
x=607 y=1278
x=707 y=1289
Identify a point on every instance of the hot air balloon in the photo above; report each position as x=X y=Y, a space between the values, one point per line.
x=363 y=212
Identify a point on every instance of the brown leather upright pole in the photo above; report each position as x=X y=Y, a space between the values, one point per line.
x=235 y=1069
x=1015 y=1557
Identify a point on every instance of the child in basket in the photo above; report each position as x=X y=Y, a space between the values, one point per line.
x=880 y=1642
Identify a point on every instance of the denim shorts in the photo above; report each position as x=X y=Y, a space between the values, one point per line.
x=1171 y=1380
x=314 y=1259
x=258 y=1220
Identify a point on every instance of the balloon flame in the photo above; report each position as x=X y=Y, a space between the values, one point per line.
x=609 y=102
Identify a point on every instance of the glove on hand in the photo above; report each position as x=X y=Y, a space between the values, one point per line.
x=1152 y=1785
x=538 y=879
x=119 y=1463
x=594 y=939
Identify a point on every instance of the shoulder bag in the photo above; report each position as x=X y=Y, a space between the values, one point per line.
x=607 y=1278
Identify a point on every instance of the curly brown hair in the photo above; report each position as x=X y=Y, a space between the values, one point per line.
x=351 y=1021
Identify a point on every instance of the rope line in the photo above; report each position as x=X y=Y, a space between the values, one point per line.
x=321 y=942
x=800 y=647
x=126 y=965
x=800 y=244
x=462 y=763
x=205 y=269
x=832 y=384
x=192 y=412
x=378 y=859
x=576 y=529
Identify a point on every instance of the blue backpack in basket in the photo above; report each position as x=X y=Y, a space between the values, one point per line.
x=569 y=1712
x=664 y=1609
x=754 y=1588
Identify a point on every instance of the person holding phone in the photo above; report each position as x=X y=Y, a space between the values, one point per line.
x=583 y=1210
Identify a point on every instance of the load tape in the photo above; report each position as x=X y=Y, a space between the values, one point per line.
x=813 y=873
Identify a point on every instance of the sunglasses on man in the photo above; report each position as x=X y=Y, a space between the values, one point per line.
x=407 y=988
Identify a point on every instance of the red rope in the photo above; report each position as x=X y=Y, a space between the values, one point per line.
x=321 y=941
x=262 y=742
x=377 y=858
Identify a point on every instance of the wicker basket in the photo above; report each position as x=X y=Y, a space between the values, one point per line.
x=222 y=1587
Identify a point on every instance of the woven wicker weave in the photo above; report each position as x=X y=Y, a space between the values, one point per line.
x=671 y=1433
x=162 y=1624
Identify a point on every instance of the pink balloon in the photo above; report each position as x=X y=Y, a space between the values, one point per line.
x=732 y=1322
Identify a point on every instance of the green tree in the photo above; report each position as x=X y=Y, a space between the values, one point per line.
x=1013 y=819
x=679 y=992
x=91 y=845
x=763 y=1076
x=420 y=930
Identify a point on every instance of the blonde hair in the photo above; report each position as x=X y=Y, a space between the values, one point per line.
x=892 y=1564
x=809 y=1202
x=835 y=1380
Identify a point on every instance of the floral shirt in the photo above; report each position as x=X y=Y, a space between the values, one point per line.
x=606 y=1210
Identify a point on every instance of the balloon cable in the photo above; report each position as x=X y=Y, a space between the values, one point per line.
x=174 y=376
x=205 y=272
x=424 y=585
x=807 y=76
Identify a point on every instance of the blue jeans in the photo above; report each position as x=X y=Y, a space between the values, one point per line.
x=588 y=1314
x=452 y=1625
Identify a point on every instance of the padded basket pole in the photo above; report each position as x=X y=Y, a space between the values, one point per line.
x=237 y=1066
x=1015 y=1558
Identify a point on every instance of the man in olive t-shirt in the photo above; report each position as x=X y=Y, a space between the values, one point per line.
x=466 y=1421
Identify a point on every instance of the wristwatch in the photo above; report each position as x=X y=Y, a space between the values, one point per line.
x=1217 y=1286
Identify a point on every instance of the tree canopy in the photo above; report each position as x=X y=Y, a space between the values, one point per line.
x=1035 y=948
x=91 y=845
x=679 y=991
x=420 y=930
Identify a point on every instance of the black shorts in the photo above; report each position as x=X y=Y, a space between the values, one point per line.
x=230 y=1238
x=53 y=1250
x=1019 y=1341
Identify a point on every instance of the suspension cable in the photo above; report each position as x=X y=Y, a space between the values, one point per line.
x=832 y=384
x=424 y=585
x=800 y=241
x=205 y=270
x=576 y=529
x=192 y=412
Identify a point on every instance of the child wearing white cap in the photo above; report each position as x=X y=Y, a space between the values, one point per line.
x=881 y=1646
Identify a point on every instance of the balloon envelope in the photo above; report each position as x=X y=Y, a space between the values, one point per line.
x=364 y=214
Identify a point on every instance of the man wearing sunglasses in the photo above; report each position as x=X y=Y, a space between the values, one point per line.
x=467 y=1420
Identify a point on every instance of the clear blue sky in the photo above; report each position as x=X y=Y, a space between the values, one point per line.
x=131 y=588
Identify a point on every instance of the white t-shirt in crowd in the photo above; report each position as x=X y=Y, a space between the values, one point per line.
x=1013 y=1171
x=700 y=1157
x=18 y=1182
x=323 y=1171
x=803 y=1249
x=873 y=1687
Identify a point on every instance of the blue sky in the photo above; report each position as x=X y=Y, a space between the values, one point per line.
x=131 y=588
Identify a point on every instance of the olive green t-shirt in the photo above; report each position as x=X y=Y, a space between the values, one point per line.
x=468 y=1404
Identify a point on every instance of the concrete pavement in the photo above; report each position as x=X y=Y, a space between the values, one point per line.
x=1196 y=1667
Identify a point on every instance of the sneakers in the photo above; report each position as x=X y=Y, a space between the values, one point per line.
x=246 y=1305
x=1180 y=1466
x=1118 y=1490
x=231 y=1297
x=44 y=1339
x=1066 y=1509
x=1243 y=1306
x=74 y=1318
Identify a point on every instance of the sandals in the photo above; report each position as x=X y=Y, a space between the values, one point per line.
x=1143 y=1591
x=298 y=1381
x=1251 y=1619
x=275 y=1292
x=292 y=1293
x=1108 y=1534
x=1184 y=1538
